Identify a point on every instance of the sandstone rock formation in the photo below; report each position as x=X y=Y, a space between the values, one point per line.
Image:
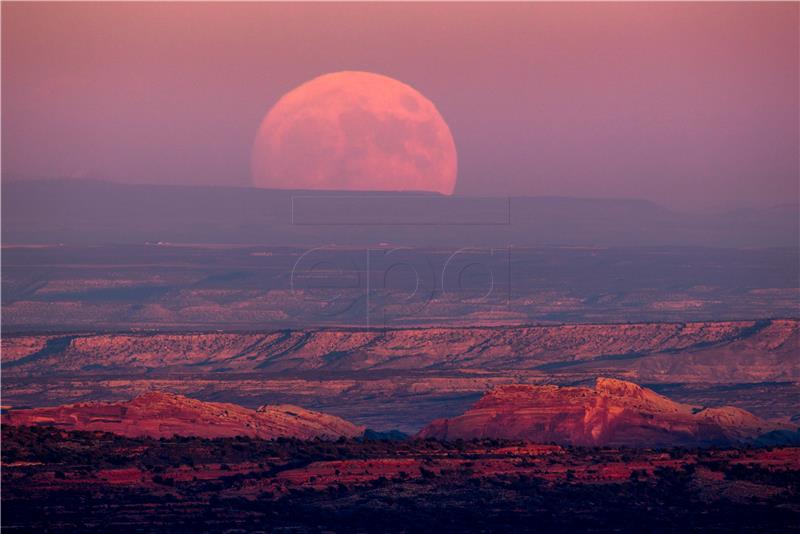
x=614 y=413
x=405 y=378
x=740 y=351
x=156 y=414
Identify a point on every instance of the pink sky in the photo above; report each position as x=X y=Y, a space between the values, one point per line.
x=692 y=105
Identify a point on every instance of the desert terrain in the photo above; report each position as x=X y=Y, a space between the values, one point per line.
x=81 y=481
x=166 y=364
x=404 y=378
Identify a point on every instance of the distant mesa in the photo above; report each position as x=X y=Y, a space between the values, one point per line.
x=80 y=212
x=162 y=415
x=614 y=413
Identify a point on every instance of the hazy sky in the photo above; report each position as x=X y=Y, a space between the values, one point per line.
x=692 y=105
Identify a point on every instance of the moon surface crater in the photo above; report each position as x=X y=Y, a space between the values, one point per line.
x=355 y=131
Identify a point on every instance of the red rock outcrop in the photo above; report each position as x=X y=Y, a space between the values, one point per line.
x=156 y=414
x=614 y=413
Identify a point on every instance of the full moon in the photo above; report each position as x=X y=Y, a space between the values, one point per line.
x=355 y=131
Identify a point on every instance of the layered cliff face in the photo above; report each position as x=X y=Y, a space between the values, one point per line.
x=156 y=415
x=746 y=351
x=614 y=413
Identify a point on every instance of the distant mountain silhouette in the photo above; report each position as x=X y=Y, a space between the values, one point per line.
x=95 y=212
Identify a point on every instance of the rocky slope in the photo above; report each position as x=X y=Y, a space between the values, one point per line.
x=614 y=413
x=405 y=378
x=744 y=351
x=155 y=414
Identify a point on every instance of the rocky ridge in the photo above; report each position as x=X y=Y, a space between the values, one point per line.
x=157 y=414
x=743 y=351
x=613 y=413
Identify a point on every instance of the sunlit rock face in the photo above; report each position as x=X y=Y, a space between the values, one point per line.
x=156 y=415
x=613 y=413
x=740 y=351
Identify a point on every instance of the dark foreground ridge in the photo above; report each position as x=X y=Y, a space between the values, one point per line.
x=62 y=481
